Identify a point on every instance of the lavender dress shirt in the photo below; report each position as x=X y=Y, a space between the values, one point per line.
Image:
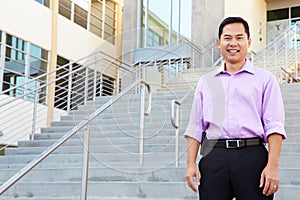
x=243 y=105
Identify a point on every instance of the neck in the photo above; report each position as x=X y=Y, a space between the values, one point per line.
x=233 y=67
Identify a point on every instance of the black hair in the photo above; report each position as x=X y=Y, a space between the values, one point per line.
x=231 y=20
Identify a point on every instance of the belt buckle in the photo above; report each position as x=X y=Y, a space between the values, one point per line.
x=235 y=142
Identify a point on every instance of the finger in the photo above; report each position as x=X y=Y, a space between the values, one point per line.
x=266 y=188
x=262 y=179
x=192 y=185
x=198 y=177
x=272 y=189
x=190 y=182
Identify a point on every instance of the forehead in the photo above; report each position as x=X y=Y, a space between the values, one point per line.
x=234 y=29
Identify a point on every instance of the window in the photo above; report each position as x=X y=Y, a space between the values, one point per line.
x=154 y=39
x=44 y=2
x=38 y=60
x=65 y=8
x=295 y=12
x=279 y=14
x=18 y=69
x=110 y=21
x=96 y=18
x=15 y=54
x=80 y=16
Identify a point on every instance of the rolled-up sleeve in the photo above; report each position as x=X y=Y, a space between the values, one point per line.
x=195 y=126
x=273 y=109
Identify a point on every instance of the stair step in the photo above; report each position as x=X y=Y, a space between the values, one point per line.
x=101 y=189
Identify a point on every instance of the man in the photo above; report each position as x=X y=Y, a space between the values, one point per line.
x=236 y=110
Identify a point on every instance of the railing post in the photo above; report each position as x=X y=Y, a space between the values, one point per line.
x=85 y=164
x=118 y=79
x=142 y=123
x=69 y=88
x=95 y=83
x=296 y=48
x=86 y=85
x=34 y=114
x=101 y=84
x=175 y=123
x=286 y=58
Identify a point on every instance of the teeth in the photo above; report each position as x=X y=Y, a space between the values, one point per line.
x=233 y=51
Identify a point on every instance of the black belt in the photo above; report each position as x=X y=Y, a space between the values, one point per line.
x=238 y=143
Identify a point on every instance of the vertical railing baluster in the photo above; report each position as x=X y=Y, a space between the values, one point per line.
x=142 y=123
x=70 y=79
x=85 y=164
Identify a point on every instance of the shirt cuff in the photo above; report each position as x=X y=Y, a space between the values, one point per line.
x=275 y=127
x=194 y=132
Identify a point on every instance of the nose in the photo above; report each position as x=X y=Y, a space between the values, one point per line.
x=233 y=43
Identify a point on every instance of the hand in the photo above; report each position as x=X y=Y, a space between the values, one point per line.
x=191 y=172
x=270 y=180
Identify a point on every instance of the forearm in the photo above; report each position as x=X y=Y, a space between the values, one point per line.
x=274 y=147
x=193 y=148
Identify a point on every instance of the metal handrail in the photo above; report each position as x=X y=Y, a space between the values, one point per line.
x=64 y=66
x=176 y=122
x=39 y=92
x=72 y=132
x=282 y=54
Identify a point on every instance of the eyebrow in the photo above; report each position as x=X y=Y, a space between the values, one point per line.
x=228 y=35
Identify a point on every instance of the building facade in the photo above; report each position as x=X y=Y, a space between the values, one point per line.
x=37 y=36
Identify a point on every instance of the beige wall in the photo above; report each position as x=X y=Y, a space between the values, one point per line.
x=254 y=12
x=31 y=21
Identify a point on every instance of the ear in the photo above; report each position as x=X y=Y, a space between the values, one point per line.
x=249 y=42
x=218 y=42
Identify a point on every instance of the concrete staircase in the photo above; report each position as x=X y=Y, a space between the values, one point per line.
x=114 y=167
x=186 y=80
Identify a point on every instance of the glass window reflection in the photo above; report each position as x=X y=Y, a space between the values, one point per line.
x=168 y=19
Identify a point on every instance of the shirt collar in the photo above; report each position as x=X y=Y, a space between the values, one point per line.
x=247 y=67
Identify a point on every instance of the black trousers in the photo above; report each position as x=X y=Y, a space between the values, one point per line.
x=228 y=173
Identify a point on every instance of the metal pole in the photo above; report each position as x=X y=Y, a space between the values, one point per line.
x=142 y=123
x=146 y=23
x=2 y=58
x=86 y=85
x=171 y=22
x=27 y=70
x=34 y=114
x=85 y=164
x=179 y=20
x=177 y=139
x=296 y=48
x=175 y=124
x=69 y=88
x=95 y=85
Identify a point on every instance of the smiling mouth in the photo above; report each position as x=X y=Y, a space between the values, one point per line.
x=233 y=50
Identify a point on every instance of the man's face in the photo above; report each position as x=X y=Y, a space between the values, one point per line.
x=234 y=43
